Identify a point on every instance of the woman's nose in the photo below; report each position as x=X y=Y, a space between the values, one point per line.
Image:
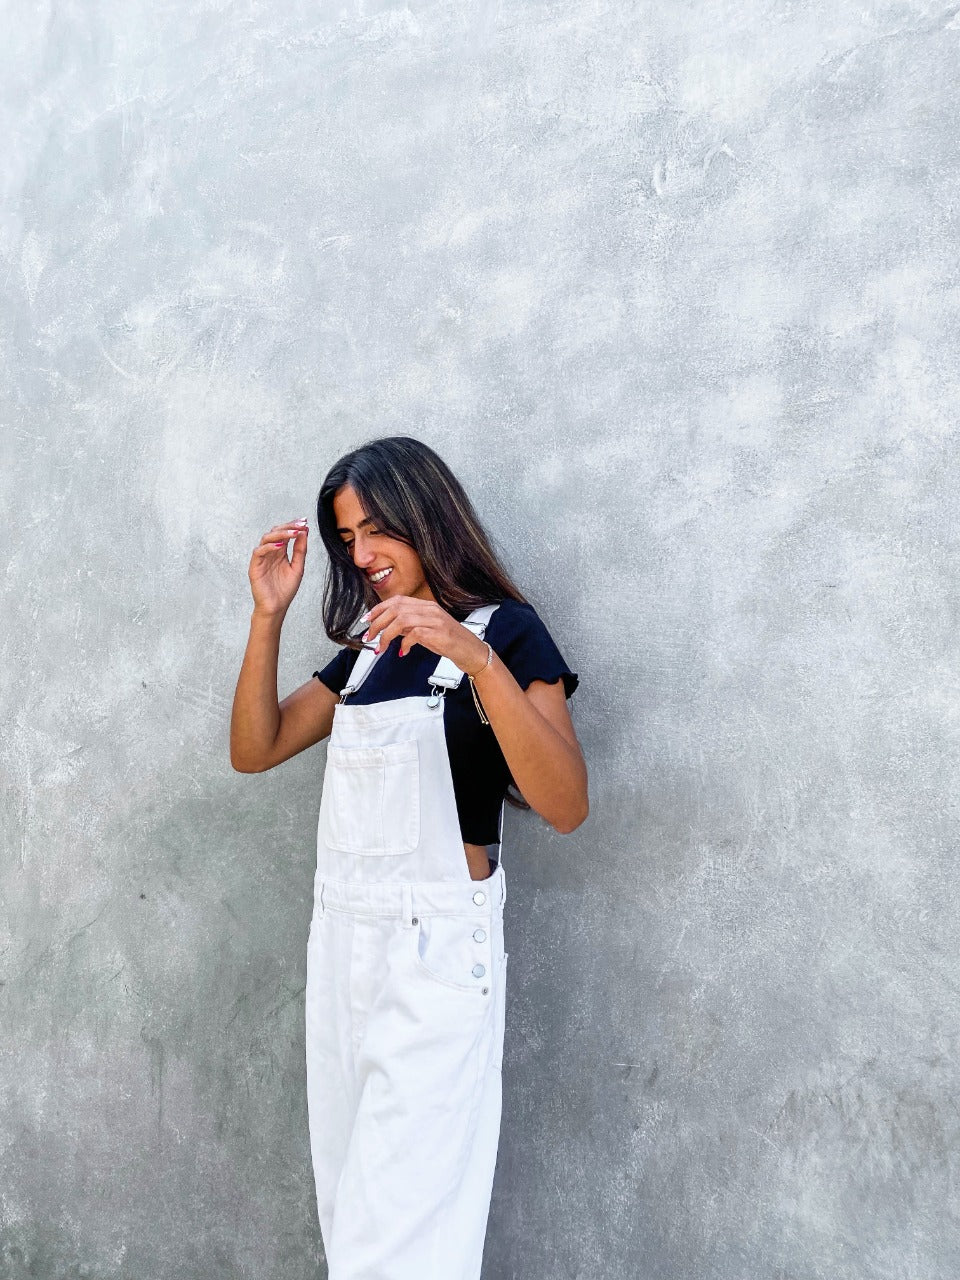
x=362 y=553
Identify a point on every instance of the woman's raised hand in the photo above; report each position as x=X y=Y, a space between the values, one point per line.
x=275 y=580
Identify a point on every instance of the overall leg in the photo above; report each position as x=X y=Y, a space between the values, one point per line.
x=414 y=1192
x=332 y=1087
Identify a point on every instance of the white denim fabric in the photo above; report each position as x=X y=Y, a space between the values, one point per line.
x=406 y=983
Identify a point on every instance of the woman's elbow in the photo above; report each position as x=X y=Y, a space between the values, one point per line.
x=573 y=819
x=240 y=764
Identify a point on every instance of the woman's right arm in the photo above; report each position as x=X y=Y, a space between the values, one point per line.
x=263 y=731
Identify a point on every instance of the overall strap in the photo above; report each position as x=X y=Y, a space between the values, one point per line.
x=361 y=669
x=446 y=674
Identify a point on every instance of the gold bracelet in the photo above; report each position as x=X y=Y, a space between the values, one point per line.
x=473 y=687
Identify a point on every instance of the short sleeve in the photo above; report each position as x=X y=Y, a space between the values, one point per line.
x=334 y=674
x=526 y=648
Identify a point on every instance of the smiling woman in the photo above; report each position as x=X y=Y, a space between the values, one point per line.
x=406 y=967
x=391 y=566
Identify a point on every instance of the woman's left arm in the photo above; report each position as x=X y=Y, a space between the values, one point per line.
x=538 y=742
x=533 y=728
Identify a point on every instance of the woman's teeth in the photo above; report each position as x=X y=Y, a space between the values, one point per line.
x=379 y=577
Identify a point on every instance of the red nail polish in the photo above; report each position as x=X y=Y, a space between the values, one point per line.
x=402 y=654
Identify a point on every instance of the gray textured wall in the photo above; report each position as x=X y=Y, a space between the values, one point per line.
x=674 y=288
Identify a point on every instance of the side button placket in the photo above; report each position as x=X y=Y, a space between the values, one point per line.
x=479 y=970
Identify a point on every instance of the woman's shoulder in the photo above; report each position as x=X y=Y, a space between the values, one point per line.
x=518 y=612
x=513 y=617
x=513 y=612
x=335 y=674
x=521 y=638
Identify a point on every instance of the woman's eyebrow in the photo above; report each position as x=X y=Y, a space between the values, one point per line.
x=365 y=520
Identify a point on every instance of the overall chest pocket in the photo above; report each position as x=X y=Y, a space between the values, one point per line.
x=371 y=799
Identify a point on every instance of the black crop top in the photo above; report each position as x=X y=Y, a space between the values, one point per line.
x=479 y=771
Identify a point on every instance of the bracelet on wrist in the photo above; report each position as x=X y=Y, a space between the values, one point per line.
x=486 y=664
x=473 y=687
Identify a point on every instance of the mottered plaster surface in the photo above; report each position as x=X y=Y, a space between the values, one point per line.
x=673 y=288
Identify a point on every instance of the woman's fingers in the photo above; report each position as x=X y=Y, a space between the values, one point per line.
x=385 y=630
x=299 y=557
x=410 y=638
x=378 y=617
x=392 y=618
x=281 y=534
x=284 y=532
x=266 y=548
x=417 y=621
x=410 y=634
x=405 y=610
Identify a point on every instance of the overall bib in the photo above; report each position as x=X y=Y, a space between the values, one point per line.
x=406 y=978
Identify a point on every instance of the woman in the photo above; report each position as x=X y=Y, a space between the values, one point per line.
x=447 y=688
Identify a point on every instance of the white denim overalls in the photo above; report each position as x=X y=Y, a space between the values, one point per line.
x=406 y=978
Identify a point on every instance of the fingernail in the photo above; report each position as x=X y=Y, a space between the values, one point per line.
x=279 y=544
x=402 y=654
x=365 y=637
x=365 y=618
x=377 y=650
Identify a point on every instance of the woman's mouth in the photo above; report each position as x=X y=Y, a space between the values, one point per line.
x=380 y=576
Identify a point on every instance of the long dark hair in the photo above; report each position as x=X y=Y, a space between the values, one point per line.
x=411 y=494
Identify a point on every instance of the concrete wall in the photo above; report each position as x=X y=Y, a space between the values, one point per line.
x=674 y=289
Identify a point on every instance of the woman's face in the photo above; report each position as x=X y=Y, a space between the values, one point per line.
x=391 y=567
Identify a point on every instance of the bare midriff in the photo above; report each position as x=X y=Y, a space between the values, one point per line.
x=478 y=861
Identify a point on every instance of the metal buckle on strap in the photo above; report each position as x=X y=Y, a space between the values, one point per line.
x=437 y=696
x=446 y=674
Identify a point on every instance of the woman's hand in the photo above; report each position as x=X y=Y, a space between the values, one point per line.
x=275 y=580
x=425 y=622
